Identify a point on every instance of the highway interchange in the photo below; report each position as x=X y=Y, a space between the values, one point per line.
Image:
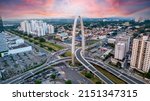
x=86 y=62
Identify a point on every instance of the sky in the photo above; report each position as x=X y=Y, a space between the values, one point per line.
x=18 y=9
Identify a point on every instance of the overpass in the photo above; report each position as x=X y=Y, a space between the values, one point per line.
x=128 y=79
x=91 y=68
x=21 y=77
x=85 y=62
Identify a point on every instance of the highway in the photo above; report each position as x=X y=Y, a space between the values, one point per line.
x=91 y=68
x=128 y=79
x=86 y=62
x=21 y=77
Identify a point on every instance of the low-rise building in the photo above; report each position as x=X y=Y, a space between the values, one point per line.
x=12 y=45
x=62 y=36
x=111 y=41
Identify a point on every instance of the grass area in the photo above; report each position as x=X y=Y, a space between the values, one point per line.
x=91 y=77
x=90 y=42
x=50 y=46
x=110 y=76
x=66 y=54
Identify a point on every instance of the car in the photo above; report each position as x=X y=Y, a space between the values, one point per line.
x=53 y=69
x=58 y=74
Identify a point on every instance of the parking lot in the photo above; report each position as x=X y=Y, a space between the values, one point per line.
x=45 y=77
x=18 y=63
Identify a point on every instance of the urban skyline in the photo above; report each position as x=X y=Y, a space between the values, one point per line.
x=98 y=48
x=19 y=9
x=74 y=42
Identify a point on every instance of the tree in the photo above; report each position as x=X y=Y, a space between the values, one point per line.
x=68 y=82
x=118 y=64
x=88 y=75
x=35 y=42
x=135 y=35
x=37 y=81
x=41 y=45
x=50 y=49
x=148 y=75
x=25 y=34
x=30 y=36
x=42 y=40
x=53 y=76
x=36 y=38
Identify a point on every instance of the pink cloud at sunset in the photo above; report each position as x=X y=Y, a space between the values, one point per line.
x=69 y=8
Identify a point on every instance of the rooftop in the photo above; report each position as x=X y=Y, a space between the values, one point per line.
x=20 y=46
x=63 y=34
x=3 y=44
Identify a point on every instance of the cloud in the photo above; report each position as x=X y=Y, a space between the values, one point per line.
x=67 y=8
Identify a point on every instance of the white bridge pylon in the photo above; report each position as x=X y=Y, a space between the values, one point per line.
x=74 y=35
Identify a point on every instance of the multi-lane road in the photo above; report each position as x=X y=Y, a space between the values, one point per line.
x=91 y=68
x=128 y=79
x=20 y=78
x=87 y=63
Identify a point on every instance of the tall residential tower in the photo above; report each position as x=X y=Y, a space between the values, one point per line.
x=122 y=46
x=140 y=58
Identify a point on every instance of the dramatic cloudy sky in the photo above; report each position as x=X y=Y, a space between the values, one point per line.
x=69 y=8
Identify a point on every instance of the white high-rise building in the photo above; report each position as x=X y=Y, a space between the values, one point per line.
x=35 y=27
x=124 y=39
x=140 y=58
x=119 y=51
x=40 y=31
x=23 y=27
x=26 y=27
x=50 y=29
x=122 y=46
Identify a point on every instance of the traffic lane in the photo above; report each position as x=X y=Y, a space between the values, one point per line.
x=119 y=75
x=83 y=61
x=15 y=81
x=107 y=69
x=29 y=74
x=11 y=79
x=106 y=80
x=128 y=79
x=134 y=79
x=104 y=67
x=116 y=73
